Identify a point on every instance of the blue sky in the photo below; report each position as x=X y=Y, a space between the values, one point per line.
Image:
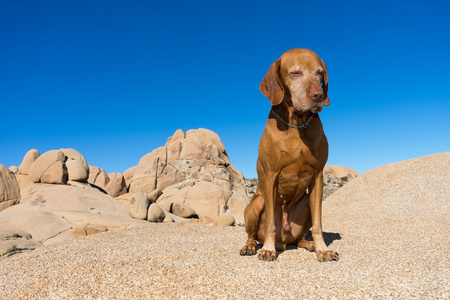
x=115 y=79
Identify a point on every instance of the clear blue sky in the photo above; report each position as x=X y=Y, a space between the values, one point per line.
x=115 y=79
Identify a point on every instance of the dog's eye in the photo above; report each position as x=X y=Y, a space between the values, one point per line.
x=296 y=73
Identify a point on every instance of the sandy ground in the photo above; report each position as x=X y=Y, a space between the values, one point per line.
x=391 y=227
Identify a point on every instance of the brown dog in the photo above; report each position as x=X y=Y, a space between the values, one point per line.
x=292 y=154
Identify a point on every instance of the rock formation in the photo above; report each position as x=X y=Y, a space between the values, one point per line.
x=113 y=183
x=54 y=166
x=50 y=167
x=50 y=213
x=29 y=158
x=340 y=171
x=62 y=197
x=192 y=169
x=77 y=167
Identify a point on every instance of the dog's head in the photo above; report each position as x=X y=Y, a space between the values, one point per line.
x=300 y=77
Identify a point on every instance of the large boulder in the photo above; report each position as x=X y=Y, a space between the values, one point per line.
x=182 y=210
x=22 y=171
x=93 y=174
x=50 y=167
x=155 y=213
x=138 y=206
x=29 y=158
x=224 y=220
x=9 y=188
x=128 y=176
x=145 y=174
x=207 y=199
x=340 y=171
x=116 y=185
x=76 y=164
x=75 y=155
x=154 y=195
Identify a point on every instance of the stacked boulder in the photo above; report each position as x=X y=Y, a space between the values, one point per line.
x=113 y=183
x=144 y=207
x=66 y=166
x=192 y=170
x=54 y=167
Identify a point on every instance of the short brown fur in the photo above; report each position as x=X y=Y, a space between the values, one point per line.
x=288 y=200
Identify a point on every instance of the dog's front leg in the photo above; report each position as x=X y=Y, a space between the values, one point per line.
x=268 y=251
x=315 y=202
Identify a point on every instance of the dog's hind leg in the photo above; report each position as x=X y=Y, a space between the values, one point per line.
x=252 y=216
x=302 y=242
x=304 y=222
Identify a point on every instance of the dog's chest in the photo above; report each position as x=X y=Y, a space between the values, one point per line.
x=294 y=178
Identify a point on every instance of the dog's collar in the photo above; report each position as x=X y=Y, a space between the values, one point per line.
x=304 y=125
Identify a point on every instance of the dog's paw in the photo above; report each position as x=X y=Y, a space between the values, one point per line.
x=308 y=245
x=329 y=255
x=248 y=250
x=267 y=255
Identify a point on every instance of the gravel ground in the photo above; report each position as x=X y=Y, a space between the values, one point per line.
x=391 y=227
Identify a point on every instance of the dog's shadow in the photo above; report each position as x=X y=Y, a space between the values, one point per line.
x=329 y=237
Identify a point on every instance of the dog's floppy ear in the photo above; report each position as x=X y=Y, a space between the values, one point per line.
x=326 y=100
x=270 y=85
